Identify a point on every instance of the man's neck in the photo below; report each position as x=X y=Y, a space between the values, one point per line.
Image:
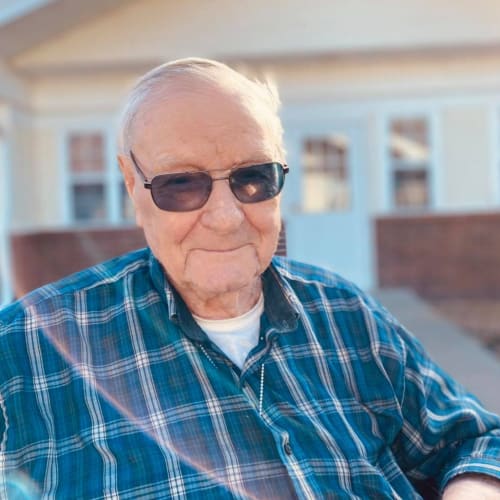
x=224 y=305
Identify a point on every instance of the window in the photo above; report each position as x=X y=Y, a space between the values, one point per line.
x=326 y=176
x=409 y=152
x=96 y=189
x=88 y=176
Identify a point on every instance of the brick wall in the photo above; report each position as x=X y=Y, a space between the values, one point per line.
x=440 y=255
x=41 y=257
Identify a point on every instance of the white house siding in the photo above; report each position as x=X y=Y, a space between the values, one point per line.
x=352 y=86
x=467 y=157
x=5 y=205
x=47 y=171
x=12 y=87
x=26 y=195
x=162 y=29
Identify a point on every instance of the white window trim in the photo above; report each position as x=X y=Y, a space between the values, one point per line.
x=494 y=171
x=326 y=175
x=111 y=177
x=432 y=107
x=434 y=174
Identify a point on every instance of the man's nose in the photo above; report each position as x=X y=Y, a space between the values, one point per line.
x=222 y=212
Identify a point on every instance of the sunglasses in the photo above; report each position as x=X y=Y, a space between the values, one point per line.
x=186 y=191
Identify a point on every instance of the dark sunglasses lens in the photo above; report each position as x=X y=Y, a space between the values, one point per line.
x=257 y=183
x=181 y=192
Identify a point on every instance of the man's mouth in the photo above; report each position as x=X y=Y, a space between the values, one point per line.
x=222 y=249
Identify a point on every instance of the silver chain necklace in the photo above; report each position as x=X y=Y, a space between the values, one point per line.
x=261 y=382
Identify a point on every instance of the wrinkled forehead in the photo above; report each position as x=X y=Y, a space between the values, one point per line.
x=192 y=98
x=187 y=105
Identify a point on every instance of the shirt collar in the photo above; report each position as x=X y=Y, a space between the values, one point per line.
x=279 y=300
x=163 y=287
x=279 y=307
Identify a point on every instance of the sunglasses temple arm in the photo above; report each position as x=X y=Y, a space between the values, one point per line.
x=139 y=170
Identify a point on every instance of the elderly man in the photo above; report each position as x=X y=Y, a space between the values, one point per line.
x=204 y=367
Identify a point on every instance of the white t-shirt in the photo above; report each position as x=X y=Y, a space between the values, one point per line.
x=236 y=337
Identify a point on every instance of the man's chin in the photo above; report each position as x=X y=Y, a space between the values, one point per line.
x=212 y=281
x=220 y=284
x=223 y=272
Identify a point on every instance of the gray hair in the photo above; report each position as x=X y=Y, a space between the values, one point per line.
x=205 y=70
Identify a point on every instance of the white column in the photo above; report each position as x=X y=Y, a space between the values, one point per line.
x=6 y=285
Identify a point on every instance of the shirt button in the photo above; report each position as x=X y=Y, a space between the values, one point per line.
x=288 y=449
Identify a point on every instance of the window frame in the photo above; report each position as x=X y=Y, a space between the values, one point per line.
x=326 y=172
x=494 y=170
x=111 y=177
x=434 y=181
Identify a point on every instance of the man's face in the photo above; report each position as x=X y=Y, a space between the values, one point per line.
x=225 y=245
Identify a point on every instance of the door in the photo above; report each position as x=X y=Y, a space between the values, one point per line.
x=325 y=204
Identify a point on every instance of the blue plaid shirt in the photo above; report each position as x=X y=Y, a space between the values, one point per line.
x=109 y=389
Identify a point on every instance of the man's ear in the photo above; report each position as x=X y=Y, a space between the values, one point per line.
x=128 y=174
x=129 y=177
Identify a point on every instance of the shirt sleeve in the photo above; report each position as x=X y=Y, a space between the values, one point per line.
x=446 y=431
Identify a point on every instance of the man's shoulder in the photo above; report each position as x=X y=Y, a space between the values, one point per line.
x=315 y=276
x=324 y=293
x=322 y=287
x=98 y=278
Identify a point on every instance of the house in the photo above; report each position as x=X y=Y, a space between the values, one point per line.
x=391 y=109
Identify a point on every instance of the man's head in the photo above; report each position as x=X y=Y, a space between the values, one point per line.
x=196 y=115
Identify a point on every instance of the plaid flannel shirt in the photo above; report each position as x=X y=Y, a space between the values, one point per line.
x=109 y=389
